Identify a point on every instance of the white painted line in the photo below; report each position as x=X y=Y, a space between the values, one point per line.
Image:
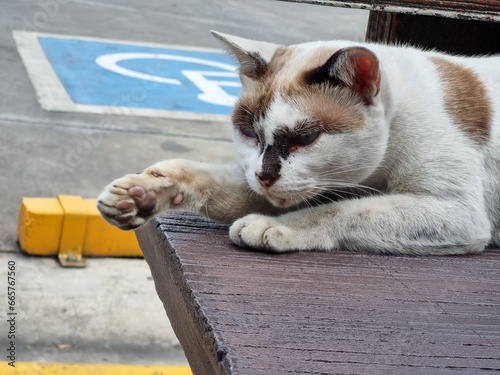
x=50 y=92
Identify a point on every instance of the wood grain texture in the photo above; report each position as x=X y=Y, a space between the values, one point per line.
x=242 y=312
x=484 y=10
x=457 y=36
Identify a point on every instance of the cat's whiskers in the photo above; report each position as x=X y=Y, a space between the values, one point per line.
x=349 y=189
x=309 y=204
x=338 y=192
x=340 y=170
x=322 y=192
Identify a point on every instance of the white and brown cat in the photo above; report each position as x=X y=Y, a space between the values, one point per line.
x=418 y=132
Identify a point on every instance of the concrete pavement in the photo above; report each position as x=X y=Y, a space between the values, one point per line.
x=109 y=312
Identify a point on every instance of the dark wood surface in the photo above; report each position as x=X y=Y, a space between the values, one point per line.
x=241 y=312
x=457 y=36
x=467 y=27
x=484 y=10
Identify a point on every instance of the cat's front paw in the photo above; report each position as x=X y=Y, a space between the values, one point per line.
x=130 y=201
x=263 y=232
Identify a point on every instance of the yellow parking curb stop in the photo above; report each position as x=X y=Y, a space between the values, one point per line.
x=71 y=227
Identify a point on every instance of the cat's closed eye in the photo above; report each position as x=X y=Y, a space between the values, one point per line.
x=249 y=133
x=306 y=139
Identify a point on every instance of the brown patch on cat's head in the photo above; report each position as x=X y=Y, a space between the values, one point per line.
x=335 y=108
x=252 y=105
x=277 y=63
x=356 y=68
x=250 y=108
x=465 y=99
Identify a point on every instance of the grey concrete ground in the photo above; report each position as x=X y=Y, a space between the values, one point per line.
x=109 y=312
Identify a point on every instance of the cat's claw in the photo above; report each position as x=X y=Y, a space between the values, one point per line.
x=130 y=201
x=262 y=232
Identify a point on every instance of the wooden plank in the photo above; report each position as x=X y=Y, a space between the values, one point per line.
x=206 y=352
x=483 y=10
x=243 y=312
x=458 y=36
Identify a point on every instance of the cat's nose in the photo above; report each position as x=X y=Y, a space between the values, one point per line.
x=266 y=179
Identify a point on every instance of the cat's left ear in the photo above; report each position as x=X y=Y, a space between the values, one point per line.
x=354 y=67
x=253 y=56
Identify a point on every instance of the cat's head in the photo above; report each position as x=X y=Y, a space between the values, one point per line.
x=309 y=118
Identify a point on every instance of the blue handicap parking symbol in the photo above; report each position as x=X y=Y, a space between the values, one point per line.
x=134 y=76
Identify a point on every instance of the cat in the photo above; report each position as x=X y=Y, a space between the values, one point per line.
x=409 y=138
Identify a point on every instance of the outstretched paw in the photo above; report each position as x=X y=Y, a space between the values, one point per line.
x=130 y=201
x=263 y=232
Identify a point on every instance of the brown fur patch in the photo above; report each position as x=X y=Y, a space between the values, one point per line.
x=465 y=99
x=251 y=108
x=334 y=109
x=278 y=61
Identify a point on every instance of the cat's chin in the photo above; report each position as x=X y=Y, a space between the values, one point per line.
x=281 y=202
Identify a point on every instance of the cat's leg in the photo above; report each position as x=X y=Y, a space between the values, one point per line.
x=395 y=224
x=219 y=192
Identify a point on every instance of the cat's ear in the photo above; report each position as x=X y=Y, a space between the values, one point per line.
x=253 y=56
x=354 y=67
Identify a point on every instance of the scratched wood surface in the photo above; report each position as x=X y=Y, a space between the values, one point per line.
x=484 y=10
x=241 y=312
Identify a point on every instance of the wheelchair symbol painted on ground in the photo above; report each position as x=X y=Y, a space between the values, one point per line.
x=210 y=83
x=79 y=74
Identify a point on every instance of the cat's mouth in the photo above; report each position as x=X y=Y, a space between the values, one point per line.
x=286 y=195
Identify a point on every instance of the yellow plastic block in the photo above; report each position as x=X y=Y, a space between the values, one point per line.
x=103 y=239
x=29 y=368
x=74 y=225
x=39 y=226
x=70 y=227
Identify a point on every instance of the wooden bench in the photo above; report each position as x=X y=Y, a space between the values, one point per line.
x=457 y=26
x=241 y=312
